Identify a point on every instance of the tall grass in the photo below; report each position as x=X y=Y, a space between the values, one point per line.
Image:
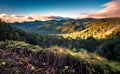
x=63 y=60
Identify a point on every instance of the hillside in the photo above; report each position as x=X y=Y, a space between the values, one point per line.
x=73 y=28
x=59 y=55
x=7 y=32
x=18 y=57
x=100 y=28
x=53 y=26
x=90 y=44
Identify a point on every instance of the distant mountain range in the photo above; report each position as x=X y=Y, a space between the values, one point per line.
x=53 y=26
x=83 y=28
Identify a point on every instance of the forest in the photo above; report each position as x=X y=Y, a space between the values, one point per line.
x=83 y=46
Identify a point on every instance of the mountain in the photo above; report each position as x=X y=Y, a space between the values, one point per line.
x=98 y=28
x=53 y=26
x=83 y=28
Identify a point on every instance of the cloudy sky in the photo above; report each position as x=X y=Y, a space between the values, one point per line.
x=30 y=10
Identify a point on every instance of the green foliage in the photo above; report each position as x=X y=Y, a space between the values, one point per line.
x=110 y=49
x=62 y=59
x=19 y=44
x=8 y=32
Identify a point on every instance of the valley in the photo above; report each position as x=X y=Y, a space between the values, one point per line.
x=67 y=46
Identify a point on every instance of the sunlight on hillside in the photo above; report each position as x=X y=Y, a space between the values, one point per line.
x=96 y=31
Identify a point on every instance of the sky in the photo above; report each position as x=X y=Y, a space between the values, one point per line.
x=47 y=9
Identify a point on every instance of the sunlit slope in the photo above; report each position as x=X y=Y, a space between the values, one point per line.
x=96 y=30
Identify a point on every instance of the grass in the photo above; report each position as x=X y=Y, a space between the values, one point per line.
x=59 y=54
x=19 y=44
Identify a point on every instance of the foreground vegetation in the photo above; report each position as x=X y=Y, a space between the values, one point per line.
x=19 y=57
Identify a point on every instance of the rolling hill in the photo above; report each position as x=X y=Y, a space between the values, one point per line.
x=53 y=26
x=100 y=28
x=73 y=28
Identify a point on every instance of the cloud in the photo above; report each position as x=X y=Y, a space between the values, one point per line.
x=16 y=18
x=112 y=9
